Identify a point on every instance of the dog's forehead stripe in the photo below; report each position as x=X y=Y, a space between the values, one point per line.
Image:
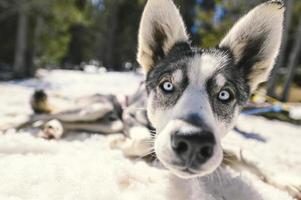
x=204 y=66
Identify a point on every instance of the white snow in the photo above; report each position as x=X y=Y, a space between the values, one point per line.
x=85 y=168
x=295 y=113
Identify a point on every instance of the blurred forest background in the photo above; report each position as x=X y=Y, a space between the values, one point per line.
x=71 y=34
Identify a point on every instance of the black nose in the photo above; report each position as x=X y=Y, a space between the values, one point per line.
x=195 y=148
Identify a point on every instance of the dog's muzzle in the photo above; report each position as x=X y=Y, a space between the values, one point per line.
x=188 y=147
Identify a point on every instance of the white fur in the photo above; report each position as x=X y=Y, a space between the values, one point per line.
x=220 y=80
x=53 y=128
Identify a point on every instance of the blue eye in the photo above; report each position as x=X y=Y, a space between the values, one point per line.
x=167 y=86
x=224 y=95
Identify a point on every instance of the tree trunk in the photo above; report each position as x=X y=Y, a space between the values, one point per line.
x=111 y=38
x=36 y=44
x=21 y=45
x=287 y=22
x=292 y=65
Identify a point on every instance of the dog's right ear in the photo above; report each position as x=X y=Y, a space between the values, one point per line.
x=255 y=41
x=161 y=27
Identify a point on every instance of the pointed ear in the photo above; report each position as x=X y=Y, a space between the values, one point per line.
x=161 y=27
x=255 y=41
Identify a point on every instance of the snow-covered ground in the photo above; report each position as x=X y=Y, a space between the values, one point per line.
x=86 y=167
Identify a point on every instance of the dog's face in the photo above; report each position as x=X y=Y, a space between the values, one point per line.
x=196 y=94
x=193 y=101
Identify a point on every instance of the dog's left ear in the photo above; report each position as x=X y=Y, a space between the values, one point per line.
x=255 y=40
x=161 y=27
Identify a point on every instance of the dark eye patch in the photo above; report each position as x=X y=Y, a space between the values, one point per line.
x=235 y=83
x=175 y=60
x=160 y=74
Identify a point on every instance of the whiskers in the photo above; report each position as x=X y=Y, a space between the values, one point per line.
x=150 y=155
x=231 y=159
x=151 y=151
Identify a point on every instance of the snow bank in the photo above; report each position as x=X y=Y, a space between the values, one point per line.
x=35 y=169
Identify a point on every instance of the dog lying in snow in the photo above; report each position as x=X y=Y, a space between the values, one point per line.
x=195 y=95
x=56 y=115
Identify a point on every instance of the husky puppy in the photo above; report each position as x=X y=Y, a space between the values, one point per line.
x=194 y=94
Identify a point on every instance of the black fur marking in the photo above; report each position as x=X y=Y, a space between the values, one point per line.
x=277 y=2
x=223 y=111
x=40 y=95
x=251 y=55
x=160 y=38
x=180 y=49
